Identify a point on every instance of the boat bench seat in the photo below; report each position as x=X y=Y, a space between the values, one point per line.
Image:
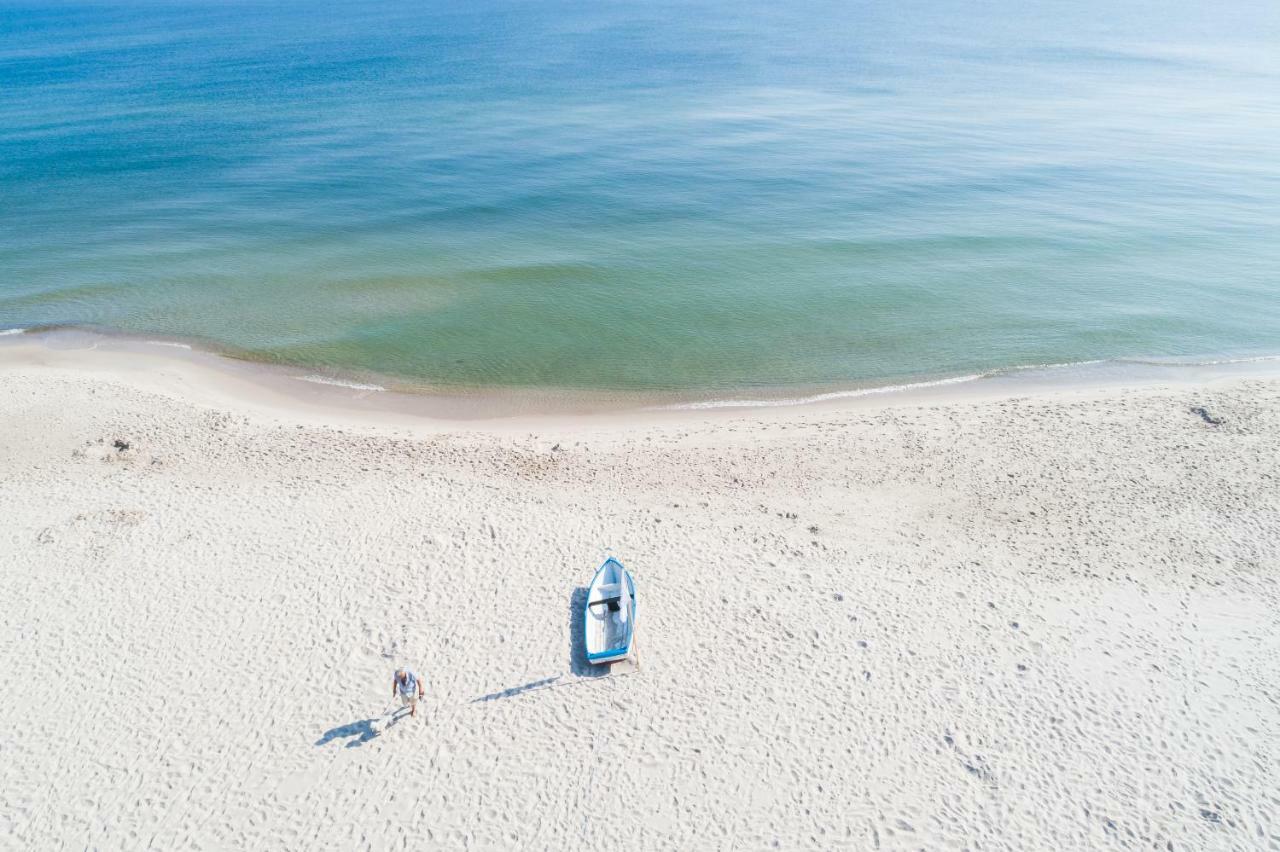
x=611 y=595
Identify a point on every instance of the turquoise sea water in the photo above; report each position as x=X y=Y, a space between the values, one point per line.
x=692 y=195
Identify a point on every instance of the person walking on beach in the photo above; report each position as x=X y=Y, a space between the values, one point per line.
x=407 y=683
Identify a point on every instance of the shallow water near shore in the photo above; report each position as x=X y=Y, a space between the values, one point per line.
x=711 y=200
x=190 y=371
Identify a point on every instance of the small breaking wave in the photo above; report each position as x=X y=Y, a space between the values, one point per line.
x=821 y=397
x=171 y=343
x=992 y=374
x=8 y=331
x=1056 y=365
x=1212 y=362
x=340 y=383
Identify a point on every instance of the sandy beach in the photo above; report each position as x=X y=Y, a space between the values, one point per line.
x=1049 y=621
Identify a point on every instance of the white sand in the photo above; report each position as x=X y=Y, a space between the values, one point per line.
x=1041 y=623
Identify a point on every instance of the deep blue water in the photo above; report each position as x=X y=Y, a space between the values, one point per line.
x=688 y=195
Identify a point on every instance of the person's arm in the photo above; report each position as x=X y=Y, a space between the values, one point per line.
x=393 y=686
x=421 y=692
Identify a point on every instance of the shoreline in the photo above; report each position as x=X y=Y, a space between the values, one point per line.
x=189 y=372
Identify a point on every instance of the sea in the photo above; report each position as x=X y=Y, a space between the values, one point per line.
x=705 y=196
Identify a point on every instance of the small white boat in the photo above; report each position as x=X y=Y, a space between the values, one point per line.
x=609 y=618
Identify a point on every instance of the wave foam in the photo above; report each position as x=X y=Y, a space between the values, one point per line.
x=7 y=331
x=995 y=373
x=1050 y=366
x=821 y=397
x=325 y=380
x=1213 y=362
x=168 y=343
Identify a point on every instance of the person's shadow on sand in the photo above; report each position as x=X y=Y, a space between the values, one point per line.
x=360 y=732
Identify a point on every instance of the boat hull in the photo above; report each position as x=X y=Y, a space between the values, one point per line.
x=609 y=614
